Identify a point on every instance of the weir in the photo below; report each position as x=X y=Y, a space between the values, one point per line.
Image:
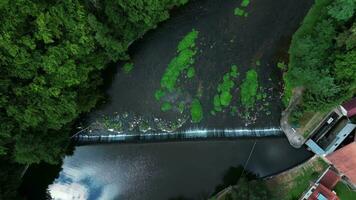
x=109 y=136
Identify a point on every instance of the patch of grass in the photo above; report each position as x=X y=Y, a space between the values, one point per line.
x=239 y=12
x=166 y=106
x=196 y=111
x=343 y=192
x=191 y=72
x=249 y=89
x=291 y=185
x=127 y=68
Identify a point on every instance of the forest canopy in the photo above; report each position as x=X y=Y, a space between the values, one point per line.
x=51 y=56
x=323 y=56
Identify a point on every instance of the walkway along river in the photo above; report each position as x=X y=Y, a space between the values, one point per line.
x=192 y=169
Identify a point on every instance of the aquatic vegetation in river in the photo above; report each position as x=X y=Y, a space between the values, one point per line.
x=183 y=61
x=166 y=106
x=223 y=97
x=159 y=94
x=127 y=68
x=239 y=11
x=196 y=111
x=249 y=89
x=191 y=72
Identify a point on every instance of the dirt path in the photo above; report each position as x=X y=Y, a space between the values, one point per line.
x=294 y=137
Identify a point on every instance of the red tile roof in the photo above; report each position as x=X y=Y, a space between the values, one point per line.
x=330 y=179
x=321 y=189
x=350 y=107
x=344 y=160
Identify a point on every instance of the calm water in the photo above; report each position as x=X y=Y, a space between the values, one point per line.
x=192 y=169
x=165 y=170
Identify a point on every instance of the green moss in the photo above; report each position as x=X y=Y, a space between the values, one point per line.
x=166 y=106
x=191 y=72
x=127 y=68
x=249 y=89
x=239 y=12
x=159 y=94
x=196 y=111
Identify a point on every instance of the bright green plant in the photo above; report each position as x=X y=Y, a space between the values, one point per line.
x=196 y=111
x=239 y=12
x=159 y=94
x=166 y=106
x=127 y=68
x=249 y=89
x=245 y=3
x=191 y=72
x=224 y=96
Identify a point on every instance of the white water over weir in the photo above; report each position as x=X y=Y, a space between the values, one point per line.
x=111 y=136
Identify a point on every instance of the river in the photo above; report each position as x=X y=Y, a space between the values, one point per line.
x=191 y=169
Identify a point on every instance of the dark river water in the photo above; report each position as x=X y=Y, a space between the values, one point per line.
x=160 y=171
x=190 y=169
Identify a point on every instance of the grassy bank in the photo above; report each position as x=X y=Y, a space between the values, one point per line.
x=343 y=192
x=291 y=184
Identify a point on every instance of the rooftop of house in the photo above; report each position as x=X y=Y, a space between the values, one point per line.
x=330 y=179
x=350 y=107
x=344 y=160
x=323 y=193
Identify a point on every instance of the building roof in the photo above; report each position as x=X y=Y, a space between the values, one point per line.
x=330 y=179
x=344 y=160
x=323 y=193
x=350 y=107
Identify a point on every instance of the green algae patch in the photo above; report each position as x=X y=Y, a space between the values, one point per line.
x=191 y=72
x=188 y=41
x=196 y=111
x=166 y=106
x=245 y=3
x=182 y=62
x=239 y=12
x=249 y=88
x=224 y=97
x=179 y=70
x=127 y=68
x=159 y=94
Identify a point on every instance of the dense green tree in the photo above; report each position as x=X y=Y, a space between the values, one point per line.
x=51 y=55
x=322 y=55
